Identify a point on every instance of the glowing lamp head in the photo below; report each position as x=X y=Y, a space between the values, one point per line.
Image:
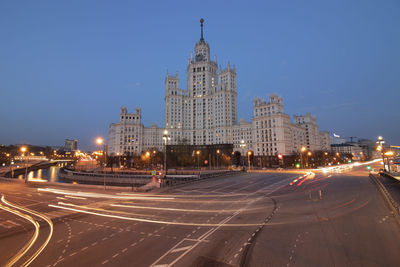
x=23 y=149
x=99 y=141
x=303 y=149
x=389 y=153
x=198 y=152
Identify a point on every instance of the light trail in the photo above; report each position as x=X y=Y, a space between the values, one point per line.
x=191 y=196
x=97 y=195
x=75 y=197
x=25 y=248
x=99 y=209
x=43 y=246
x=172 y=209
x=153 y=221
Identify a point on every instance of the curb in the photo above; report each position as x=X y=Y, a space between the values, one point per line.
x=386 y=195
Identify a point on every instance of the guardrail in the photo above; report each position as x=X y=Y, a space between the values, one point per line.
x=33 y=167
x=391 y=202
x=108 y=178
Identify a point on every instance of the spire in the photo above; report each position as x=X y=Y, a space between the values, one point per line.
x=201 y=25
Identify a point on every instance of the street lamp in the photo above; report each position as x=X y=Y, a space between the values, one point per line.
x=100 y=141
x=165 y=138
x=388 y=154
x=381 y=149
x=303 y=148
x=242 y=146
x=198 y=159
x=217 y=156
x=148 y=156
x=248 y=157
x=23 y=150
x=119 y=159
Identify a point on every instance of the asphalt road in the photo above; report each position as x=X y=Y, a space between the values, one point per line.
x=256 y=219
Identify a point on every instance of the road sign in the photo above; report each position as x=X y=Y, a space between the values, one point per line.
x=154 y=172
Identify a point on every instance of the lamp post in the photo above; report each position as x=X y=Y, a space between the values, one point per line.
x=153 y=158
x=380 y=148
x=248 y=158
x=388 y=154
x=119 y=160
x=100 y=141
x=218 y=151
x=148 y=157
x=326 y=159
x=23 y=150
x=242 y=146
x=309 y=153
x=165 y=138
x=198 y=159
x=303 y=148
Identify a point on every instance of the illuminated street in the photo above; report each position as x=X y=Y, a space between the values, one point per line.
x=254 y=219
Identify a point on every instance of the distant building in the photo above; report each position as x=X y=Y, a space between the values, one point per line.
x=336 y=140
x=309 y=123
x=129 y=137
x=325 y=141
x=348 y=148
x=71 y=145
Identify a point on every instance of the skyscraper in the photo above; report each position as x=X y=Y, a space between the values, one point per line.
x=204 y=113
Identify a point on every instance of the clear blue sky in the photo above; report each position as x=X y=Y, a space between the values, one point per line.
x=66 y=67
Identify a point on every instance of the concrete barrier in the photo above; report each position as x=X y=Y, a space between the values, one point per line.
x=394 y=206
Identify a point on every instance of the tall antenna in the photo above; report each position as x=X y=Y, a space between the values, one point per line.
x=201 y=25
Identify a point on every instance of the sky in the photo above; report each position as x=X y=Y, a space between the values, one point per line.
x=66 y=67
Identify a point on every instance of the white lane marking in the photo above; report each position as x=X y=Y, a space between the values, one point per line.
x=104 y=262
x=181 y=249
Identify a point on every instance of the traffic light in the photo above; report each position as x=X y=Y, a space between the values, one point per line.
x=280 y=156
x=369 y=167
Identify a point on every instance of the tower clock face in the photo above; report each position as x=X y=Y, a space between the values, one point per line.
x=199 y=57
